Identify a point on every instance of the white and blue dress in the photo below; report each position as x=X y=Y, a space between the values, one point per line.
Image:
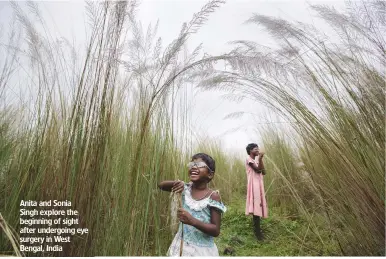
x=195 y=242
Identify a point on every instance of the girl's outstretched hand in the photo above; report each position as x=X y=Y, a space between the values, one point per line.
x=178 y=186
x=185 y=217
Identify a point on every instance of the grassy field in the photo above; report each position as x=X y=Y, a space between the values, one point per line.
x=102 y=127
x=284 y=236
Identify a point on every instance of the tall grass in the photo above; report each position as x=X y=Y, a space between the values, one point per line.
x=230 y=176
x=282 y=173
x=105 y=126
x=102 y=136
x=333 y=89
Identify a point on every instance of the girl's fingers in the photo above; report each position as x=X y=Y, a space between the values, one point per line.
x=178 y=186
x=178 y=189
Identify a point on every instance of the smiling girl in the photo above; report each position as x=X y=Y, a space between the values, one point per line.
x=201 y=212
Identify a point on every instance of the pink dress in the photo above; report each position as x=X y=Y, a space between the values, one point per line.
x=256 y=203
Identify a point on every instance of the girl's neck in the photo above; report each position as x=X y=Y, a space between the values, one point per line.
x=200 y=186
x=252 y=156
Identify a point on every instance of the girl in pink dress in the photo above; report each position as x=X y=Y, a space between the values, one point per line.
x=256 y=205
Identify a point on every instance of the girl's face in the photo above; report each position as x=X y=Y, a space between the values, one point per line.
x=199 y=171
x=255 y=151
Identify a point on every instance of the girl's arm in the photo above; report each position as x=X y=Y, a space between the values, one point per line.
x=260 y=167
x=171 y=186
x=261 y=164
x=212 y=228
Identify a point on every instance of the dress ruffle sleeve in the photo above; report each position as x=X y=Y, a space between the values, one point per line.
x=218 y=205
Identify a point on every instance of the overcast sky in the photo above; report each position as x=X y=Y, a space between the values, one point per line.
x=67 y=19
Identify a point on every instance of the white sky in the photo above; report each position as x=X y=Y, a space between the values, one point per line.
x=67 y=19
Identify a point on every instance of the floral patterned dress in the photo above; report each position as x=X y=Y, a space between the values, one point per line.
x=195 y=242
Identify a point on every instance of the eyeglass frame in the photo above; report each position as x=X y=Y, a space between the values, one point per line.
x=203 y=164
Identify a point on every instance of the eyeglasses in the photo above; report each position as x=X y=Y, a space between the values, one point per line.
x=198 y=165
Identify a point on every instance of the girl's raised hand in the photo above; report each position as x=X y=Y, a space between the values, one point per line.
x=185 y=217
x=178 y=186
